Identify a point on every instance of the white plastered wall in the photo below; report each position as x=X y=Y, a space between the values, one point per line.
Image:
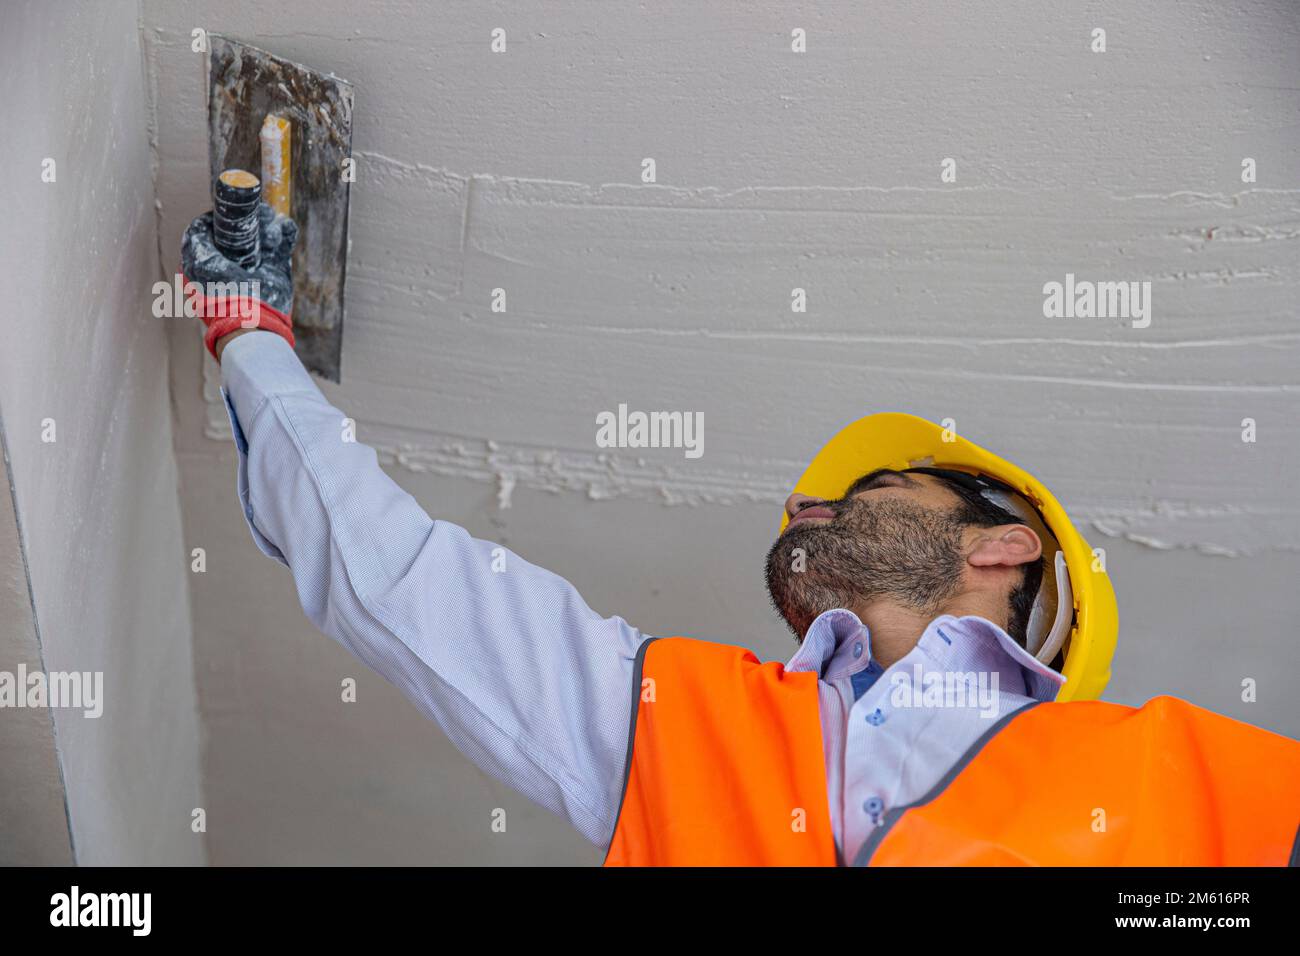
x=775 y=170
x=96 y=582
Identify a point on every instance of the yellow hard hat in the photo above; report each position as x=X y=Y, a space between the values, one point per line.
x=1075 y=578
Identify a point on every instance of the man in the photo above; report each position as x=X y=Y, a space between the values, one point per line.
x=953 y=627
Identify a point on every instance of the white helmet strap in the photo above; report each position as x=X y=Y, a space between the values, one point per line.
x=1064 y=619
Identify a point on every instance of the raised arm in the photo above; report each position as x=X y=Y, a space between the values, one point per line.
x=526 y=680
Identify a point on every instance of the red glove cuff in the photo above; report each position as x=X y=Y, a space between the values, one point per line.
x=254 y=315
x=224 y=315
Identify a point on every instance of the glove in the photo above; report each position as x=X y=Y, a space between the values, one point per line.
x=264 y=299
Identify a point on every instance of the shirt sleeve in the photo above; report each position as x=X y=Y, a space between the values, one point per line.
x=526 y=680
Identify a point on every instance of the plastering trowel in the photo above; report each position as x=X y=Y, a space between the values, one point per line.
x=293 y=126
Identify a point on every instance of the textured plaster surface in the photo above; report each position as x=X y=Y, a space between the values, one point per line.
x=33 y=812
x=521 y=171
x=98 y=506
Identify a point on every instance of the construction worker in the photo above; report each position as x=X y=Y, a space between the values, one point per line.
x=954 y=632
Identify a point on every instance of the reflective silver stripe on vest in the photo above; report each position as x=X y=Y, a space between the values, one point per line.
x=637 y=669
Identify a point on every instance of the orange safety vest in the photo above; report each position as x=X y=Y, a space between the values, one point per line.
x=725 y=768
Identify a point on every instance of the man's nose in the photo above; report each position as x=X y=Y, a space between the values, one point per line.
x=797 y=502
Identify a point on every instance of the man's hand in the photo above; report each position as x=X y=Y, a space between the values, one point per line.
x=264 y=299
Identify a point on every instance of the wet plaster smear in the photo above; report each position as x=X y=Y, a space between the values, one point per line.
x=522 y=171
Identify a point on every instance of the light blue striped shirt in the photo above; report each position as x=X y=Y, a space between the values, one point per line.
x=523 y=677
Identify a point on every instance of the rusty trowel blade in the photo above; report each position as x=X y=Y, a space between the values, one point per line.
x=245 y=85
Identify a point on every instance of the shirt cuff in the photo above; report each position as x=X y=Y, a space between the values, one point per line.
x=255 y=367
x=263 y=543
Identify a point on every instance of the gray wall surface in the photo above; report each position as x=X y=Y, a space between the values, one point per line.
x=821 y=170
x=97 y=506
x=33 y=812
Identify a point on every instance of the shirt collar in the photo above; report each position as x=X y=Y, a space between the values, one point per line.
x=838 y=645
x=828 y=646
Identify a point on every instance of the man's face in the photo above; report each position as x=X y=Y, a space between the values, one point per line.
x=893 y=535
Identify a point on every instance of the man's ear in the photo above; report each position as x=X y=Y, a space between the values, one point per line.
x=1007 y=545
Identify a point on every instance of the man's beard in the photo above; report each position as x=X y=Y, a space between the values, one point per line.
x=870 y=550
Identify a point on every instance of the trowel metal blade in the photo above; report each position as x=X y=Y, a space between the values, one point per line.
x=245 y=85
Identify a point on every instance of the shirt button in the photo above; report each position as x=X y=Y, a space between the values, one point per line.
x=874 y=807
x=876 y=717
x=857 y=649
